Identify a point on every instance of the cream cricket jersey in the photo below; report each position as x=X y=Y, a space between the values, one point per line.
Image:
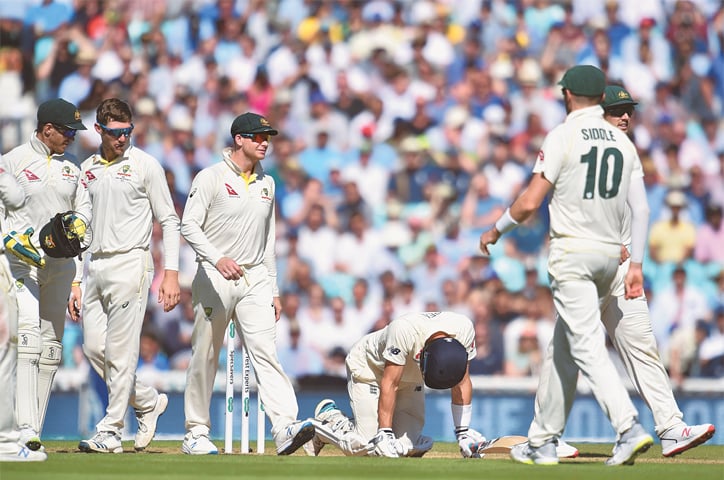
x=591 y=164
x=127 y=194
x=11 y=195
x=401 y=343
x=226 y=216
x=51 y=185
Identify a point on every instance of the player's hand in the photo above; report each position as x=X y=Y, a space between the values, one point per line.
x=277 y=304
x=74 y=303
x=229 y=269
x=386 y=444
x=624 y=255
x=169 y=293
x=488 y=238
x=470 y=442
x=634 y=281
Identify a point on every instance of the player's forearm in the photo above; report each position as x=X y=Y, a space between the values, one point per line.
x=636 y=199
x=386 y=405
x=462 y=393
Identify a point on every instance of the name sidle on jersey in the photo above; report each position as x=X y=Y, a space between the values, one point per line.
x=597 y=134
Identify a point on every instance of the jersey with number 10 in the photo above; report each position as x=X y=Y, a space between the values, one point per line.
x=590 y=164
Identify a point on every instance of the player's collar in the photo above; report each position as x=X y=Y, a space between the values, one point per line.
x=592 y=111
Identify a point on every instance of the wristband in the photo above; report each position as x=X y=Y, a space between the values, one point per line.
x=505 y=223
x=75 y=284
x=462 y=414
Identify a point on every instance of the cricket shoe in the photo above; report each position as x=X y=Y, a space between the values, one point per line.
x=21 y=453
x=630 y=445
x=102 y=442
x=294 y=436
x=679 y=439
x=147 y=423
x=31 y=439
x=198 y=444
x=543 y=455
x=565 y=450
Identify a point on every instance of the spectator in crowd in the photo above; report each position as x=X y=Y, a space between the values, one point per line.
x=711 y=350
x=710 y=237
x=151 y=356
x=480 y=208
x=678 y=306
x=672 y=240
x=297 y=359
x=316 y=241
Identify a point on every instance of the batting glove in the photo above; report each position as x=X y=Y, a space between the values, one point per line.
x=20 y=245
x=386 y=445
x=470 y=441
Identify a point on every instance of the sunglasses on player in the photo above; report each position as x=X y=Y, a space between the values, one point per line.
x=117 y=132
x=257 y=137
x=620 y=111
x=66 y=132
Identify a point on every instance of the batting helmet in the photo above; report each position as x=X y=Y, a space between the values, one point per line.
x=443 y=363
x=66 y=235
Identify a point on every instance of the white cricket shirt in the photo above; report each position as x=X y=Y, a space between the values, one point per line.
x=401 y=343
x=228 y=216
x=127 y=194
x=590 y=164
x=51 y=185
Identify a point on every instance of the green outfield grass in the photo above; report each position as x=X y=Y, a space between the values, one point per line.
x=163 y=460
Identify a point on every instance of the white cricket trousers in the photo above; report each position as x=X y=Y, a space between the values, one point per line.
x=217 y=301
x=408 y=417
x=580 y=278
x=113 y=310
x=628 y=324
x=8 y=355
x=42 y=297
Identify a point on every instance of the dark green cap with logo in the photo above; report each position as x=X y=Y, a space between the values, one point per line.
x=584 y=80
x=615 y=96
x=60 y=112
x=251 y=123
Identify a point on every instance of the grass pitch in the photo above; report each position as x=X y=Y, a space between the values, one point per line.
x=163 y=461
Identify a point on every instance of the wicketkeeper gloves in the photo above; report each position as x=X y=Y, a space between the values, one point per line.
x=20 y=245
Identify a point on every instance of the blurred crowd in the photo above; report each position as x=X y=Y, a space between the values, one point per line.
x=406 y=129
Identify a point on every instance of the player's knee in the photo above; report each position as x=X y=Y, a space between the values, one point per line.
x=51 y=354
x=28 y=345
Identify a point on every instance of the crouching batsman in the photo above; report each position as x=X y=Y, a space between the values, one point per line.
x=386 y=371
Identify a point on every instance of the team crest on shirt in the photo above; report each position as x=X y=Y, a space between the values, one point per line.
x=30 y=176
x=68 y=174
x=124 y=173
x=208 y=311
x=265 y=194
x=230 y=190
x=20 y=284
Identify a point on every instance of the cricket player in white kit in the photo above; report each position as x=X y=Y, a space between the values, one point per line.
x=229 y=222
x=128 y=189
x=11 y=450
x=594 y=171
x=628 y=325
x=386 y=374
x=50 y=178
